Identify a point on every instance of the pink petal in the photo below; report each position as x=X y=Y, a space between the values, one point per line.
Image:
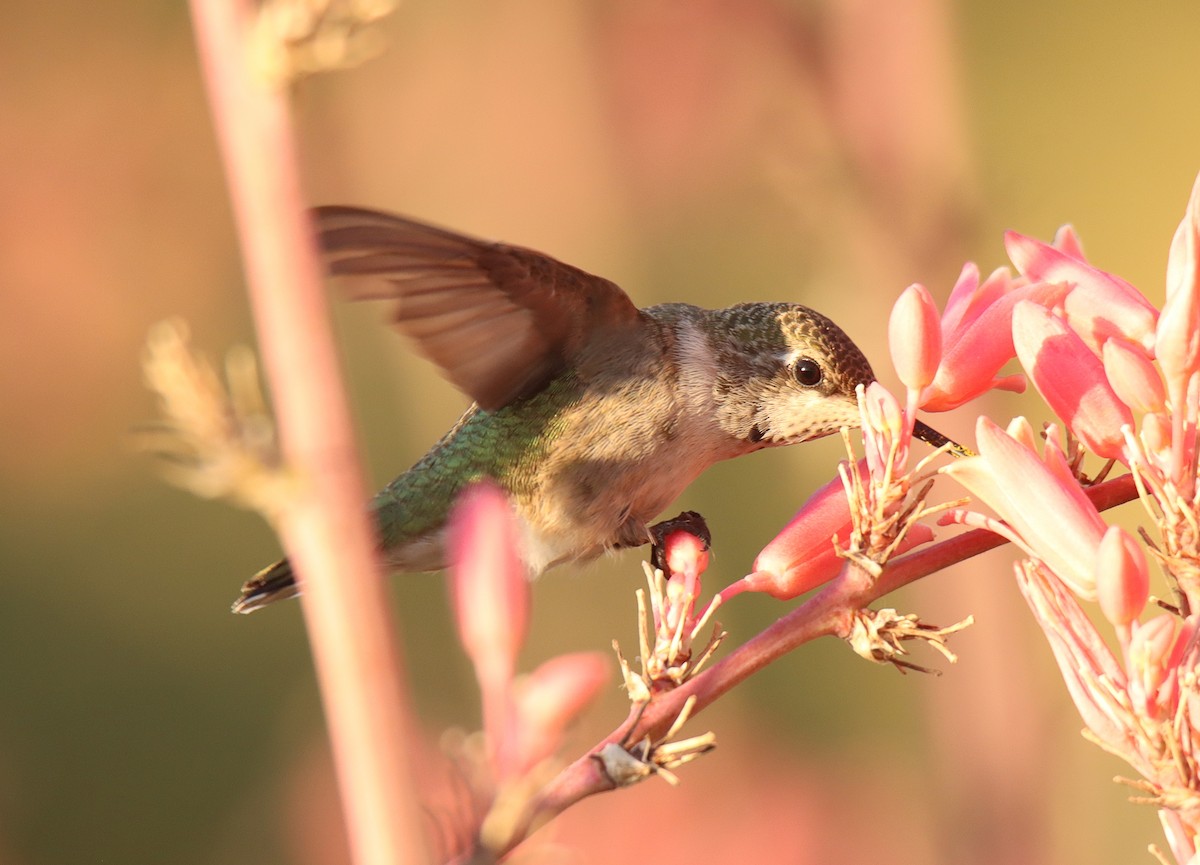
x=1122 y=578
x=488 y=582
x=1066 y=240
x=1133 y=376
x=1022 y=431
x=1071 y=379
x=1099 y=305
x=915 y=337
x=968 y=299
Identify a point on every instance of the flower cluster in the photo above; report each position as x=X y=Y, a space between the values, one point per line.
x=1124 y=380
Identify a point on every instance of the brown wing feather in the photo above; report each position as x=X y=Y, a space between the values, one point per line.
x=499 y=320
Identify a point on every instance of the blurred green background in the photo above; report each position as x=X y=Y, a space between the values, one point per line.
x=829 y=151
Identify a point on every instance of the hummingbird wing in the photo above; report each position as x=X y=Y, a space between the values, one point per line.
x=499 y=320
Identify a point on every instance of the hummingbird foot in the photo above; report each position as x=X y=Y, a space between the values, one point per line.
x=669 y=627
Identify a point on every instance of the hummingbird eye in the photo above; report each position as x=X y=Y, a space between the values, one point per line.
x=808 y=372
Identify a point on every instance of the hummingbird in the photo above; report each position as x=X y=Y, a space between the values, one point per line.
x=591 y=413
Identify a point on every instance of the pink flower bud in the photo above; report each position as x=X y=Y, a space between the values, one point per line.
x=1022 y=431
x=1183 y=261
x=1133 y=376
x=489 y=581
x=686 y=557
x=550 y=698
x=915 y=338
x=1178 y=339
x=1156 y=435
x=1122 y=578
x=491 y=601
x=802 y=556
x=1071 y=379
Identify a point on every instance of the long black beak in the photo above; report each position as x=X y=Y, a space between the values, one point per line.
x=932 y=437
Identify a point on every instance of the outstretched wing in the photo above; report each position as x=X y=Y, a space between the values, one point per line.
x=499 y=320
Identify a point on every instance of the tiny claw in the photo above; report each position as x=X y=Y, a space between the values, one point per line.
x=932 y=437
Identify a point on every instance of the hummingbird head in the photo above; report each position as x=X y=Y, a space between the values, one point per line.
x=787 y=374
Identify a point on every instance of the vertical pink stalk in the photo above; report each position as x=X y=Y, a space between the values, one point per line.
x=325 y=528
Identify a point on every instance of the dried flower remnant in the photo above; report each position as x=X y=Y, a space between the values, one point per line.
x=626 y=764
x=879 y=636
x=887 y=501
x=295 y=38
x=213 y=440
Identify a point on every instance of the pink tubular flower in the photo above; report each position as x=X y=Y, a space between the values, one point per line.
x=1046 y=512
x=802 y=556
x=1122 y=577
x=1087 y=664
x=977 y=336
x=878 y=487
x=491 y=601
x=1098 y=305
x=1071 y=379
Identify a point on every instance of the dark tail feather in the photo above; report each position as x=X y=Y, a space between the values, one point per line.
x=271 y=584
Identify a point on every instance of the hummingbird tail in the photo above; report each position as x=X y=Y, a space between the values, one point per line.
x=272 y=583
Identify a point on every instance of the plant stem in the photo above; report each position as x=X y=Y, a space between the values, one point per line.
x=325 y=530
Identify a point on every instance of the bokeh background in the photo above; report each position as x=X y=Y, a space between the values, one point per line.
x=829 y=151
